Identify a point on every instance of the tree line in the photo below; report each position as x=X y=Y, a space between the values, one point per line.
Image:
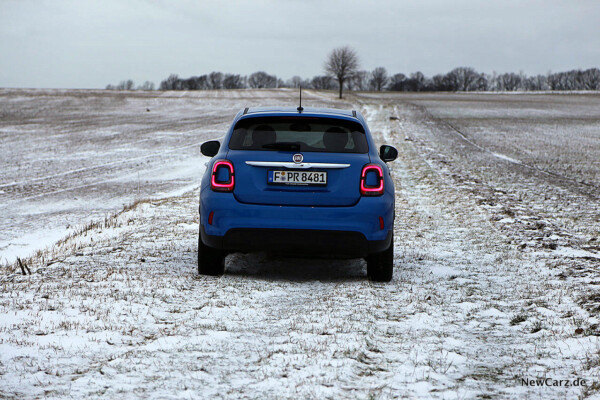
x=461 y=79
x=342 y=72
x=130 y=85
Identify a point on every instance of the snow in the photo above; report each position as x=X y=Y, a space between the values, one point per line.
x=30 y=242
x=83 y=162
x=577 y=253
x=503 y=157
x=118 y=310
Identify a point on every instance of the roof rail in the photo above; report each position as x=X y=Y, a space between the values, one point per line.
x=354 y=113
x=246 y=110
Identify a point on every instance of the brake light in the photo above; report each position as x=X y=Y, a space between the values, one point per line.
x=223 y=176
x=371 y=180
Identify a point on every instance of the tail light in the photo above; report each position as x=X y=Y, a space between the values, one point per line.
x=371 y=180
x=223 y=176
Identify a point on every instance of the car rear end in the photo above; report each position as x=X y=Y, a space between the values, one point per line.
x=309 y=183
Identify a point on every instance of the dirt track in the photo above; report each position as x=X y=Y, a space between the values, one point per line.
x=530 y=161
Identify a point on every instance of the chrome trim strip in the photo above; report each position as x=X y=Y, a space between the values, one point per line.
x=292 y=165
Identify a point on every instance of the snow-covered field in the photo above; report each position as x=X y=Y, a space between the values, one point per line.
x=496 y=273
x=71 y=157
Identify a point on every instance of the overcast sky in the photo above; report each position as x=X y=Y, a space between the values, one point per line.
x=89 y=44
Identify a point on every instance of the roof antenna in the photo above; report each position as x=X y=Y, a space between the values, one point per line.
x=300 y=107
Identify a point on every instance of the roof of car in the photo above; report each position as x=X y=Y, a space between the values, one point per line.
x=307 y=111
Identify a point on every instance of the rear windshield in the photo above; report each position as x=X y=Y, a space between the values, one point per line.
x=299 y=134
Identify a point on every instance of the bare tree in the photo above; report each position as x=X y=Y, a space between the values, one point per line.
x=482 y=82
x=561 y=81
x=189 y=84
x=379 y=79
x=126 y=85
x=295 y=82
x=234 y=81
x=538 y=82
x=509 y=81
x=462 y=79
x=553 y=81
x=397 y=82
x=261 y=79
x=170 y=83
x=146 y=86
x=342 y=64
x=437 y=83
x=322 y=82
x=359 y=81
x=419 y=80
x=201 y=82
x=215 y=80
x=591 y=79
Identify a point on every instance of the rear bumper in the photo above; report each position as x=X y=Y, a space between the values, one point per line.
x=342 y=244
x=352 y=231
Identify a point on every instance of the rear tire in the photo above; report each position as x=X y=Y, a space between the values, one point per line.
x=380 y=266
x=210 y=261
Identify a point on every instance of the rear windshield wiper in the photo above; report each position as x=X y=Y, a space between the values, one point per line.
x=282 y=146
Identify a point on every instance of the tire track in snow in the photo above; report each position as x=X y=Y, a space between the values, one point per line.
x=585 y=188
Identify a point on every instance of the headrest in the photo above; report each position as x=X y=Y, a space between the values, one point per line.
x=263 y=134
x=335 y=139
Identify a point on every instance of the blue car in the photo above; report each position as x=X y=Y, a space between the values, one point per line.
x=298 y=182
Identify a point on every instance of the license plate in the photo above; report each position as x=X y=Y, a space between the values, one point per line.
x=298 y=177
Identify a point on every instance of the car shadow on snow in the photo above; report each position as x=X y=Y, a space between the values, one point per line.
x=270 y=266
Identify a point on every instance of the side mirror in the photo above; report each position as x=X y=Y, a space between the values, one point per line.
x=388 y=153
x=210 y=148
